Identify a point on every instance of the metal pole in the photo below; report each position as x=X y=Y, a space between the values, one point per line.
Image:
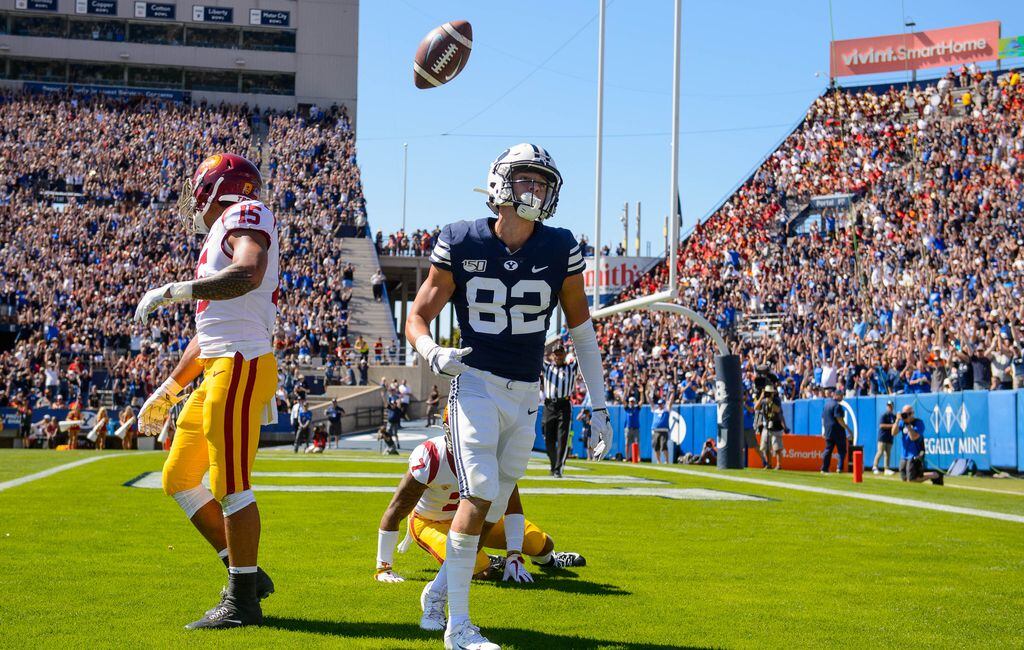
x=625 y=226
x=637 y=230
x=405 y=177
x=674 y=198
x=600 y=136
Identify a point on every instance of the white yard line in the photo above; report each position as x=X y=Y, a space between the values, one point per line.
x=980 y=489
x=151 y=480
x=898 y=501
x=22 y=480
x=596 y=478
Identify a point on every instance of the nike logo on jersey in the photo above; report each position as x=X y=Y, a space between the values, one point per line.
x=536 y=270
x=529 y=412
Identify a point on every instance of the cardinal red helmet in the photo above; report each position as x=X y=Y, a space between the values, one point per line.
x=223 y=178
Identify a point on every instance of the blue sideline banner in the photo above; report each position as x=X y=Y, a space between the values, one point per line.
x=986 y=427
x=10 y=420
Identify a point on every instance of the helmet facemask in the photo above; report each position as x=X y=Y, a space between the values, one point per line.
x=524 y=157
x=191 y=215
x=447 y=430
x=529 y=206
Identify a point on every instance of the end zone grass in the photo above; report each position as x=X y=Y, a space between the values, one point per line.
x=88 y=562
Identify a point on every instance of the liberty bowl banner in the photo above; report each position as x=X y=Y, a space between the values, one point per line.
x=915 y=51
x=617 y=273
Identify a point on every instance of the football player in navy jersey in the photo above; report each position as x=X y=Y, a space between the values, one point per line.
x=504 y=276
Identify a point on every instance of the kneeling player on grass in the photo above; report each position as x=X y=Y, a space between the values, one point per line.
x=426 y=496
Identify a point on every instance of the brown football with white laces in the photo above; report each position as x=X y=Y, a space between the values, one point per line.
x=442 y=54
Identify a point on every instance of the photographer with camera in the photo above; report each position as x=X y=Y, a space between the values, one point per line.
x=912 y=461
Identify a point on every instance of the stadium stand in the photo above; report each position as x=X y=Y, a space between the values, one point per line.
x=915 y=288
x=97 y=222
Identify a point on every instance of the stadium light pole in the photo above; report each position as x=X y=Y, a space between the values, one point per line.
x=597 y=173
x=405 y=178
x=673 y=239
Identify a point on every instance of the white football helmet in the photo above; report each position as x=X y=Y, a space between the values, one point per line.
x=499 y=182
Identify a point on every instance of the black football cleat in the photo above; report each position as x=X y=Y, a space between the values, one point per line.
x=228 y=615
x=238 y=608
x=264 y=587
x=566 y=560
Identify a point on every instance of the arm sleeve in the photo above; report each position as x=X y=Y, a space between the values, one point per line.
x=441 y=256
x=588 y=356
x=575 y=262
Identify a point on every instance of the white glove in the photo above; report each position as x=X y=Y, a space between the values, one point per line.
x=165 y=295
x=515 y=569
x=153 y=413
x=384 y=573
x=446 y=362
x=602 y=429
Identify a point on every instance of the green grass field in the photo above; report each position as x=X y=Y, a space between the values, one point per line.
x=86 y=561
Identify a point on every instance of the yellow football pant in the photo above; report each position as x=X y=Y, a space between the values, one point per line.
x=432 y=536
x=219 y=427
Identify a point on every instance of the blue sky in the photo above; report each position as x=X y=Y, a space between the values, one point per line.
x=749 y=71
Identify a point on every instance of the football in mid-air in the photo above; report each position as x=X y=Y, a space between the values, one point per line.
x=442 y=54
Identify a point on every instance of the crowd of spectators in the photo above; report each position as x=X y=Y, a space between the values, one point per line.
x=916 y=288
x=87 y=192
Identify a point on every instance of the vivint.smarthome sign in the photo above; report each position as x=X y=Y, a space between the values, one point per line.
x=917 y=50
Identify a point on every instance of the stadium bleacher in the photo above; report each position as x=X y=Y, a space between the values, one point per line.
x=98 y=224
x=914 y=289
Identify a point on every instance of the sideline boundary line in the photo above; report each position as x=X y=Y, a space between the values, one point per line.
x=22 y=480
x=878 y=498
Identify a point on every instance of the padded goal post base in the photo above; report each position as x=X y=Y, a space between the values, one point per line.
x=729 y=396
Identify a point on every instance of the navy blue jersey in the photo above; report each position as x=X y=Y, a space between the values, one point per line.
x=503 y=300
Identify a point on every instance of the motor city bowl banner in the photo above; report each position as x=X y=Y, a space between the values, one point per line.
x=617 y=273
x=915 y=51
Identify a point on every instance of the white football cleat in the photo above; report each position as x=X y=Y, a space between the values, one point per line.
x=466 y=636
x=875 y=470
x=433 y=619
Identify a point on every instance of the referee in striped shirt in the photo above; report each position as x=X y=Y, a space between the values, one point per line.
x=559 y=380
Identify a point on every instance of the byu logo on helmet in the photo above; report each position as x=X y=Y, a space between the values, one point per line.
x=523 y=157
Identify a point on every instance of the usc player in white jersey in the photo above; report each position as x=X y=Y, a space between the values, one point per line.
x=236 y=290
x=428 y=494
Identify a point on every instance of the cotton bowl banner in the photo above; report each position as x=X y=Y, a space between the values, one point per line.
x=617 y=273
x=917 y=50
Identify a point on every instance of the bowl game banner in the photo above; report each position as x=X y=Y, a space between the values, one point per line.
x=617 y=273
x=916 y=50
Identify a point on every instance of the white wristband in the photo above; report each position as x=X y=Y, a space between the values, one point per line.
x=171 y=388
x=515 y=531
x=181 y=291
x=386 y=540
x=425 y=345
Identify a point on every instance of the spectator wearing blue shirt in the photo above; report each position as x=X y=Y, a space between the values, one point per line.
x=885 y=438
x=632 y=412
x=912 y=461
x=659 y=431
x=920 y=379
x=834 y=430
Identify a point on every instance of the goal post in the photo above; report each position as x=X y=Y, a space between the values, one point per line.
x=728 y=379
